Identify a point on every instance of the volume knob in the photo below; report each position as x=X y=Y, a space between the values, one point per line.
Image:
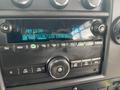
x=98 y=28
x=58 y=67
x=90 y=4
x=115 y=30
x=59 y=3
x=5 y=27
x=22 y=3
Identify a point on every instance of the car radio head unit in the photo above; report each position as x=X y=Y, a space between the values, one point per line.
x=48 y=42
x=45 y=50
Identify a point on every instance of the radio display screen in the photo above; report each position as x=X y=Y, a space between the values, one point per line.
x=46 y=30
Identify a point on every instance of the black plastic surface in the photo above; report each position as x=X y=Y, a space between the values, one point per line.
x=111 y=58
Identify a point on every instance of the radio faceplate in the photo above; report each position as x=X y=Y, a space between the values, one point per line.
x=42 y=50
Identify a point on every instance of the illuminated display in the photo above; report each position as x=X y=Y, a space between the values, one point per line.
x=44 y=31
x=43 y=36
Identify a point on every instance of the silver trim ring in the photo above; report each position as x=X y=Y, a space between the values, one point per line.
x=50 y=69
x=102 y=25
x=93 y=5
x=9 y=27
x=57 y=56
x=59 y=4
x=22 y=3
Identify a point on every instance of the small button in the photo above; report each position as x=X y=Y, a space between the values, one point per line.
x=27 y=70
x=8 y=48
x=12 y=72
x=80 y=44
x=63 y=44
x=54 y=45
x=98 y=42
x=21 y=47
x=33 y=46
x=86 y=62
x=96 y=61
x=73 y=44
x=76 y=64
x=27 y=46
x=38 y=69
x=90 y=43
x=43 y=45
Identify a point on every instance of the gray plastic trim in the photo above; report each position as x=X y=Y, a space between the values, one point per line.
x=2 y=86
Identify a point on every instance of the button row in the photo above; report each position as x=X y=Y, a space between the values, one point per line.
x=25 y=70
x=38 y=45
x=85 y=62
x=41 y=69
x=66 y=44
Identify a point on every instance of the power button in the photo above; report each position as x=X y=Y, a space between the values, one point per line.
x=6 y=27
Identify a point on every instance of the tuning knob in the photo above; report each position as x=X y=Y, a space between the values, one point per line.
x=98 y=28
x=117 y=88
x=115 y=30
x=22 y=3
x=90 y=4
x=58 y=67
x=6 y=27
x=59 y=3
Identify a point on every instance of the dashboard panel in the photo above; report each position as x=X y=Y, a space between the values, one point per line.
x=59 y=44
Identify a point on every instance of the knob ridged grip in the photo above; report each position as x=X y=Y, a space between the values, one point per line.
x=90 y=4
x=115 y=30
x=6 y=27
x=98 y=28
x=58 y=67
x=59 y=4
x=22 y=3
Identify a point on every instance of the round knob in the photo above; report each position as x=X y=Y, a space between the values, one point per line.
x=59 y=3
x=115 y=30
x=90 y=4
x=117 y=88
x=22 y=3
x=6 y=27
x=58 y=67
x=98 y=28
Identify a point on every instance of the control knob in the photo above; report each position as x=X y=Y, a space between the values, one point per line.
x=116 y=86
x=59 y=3
x=22 y=3
x=6 y=27
x=98 y=28
x=59 y=67
x=90 y=4
x=115 y=30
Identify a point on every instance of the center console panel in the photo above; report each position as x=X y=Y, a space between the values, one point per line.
x=48 y=42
